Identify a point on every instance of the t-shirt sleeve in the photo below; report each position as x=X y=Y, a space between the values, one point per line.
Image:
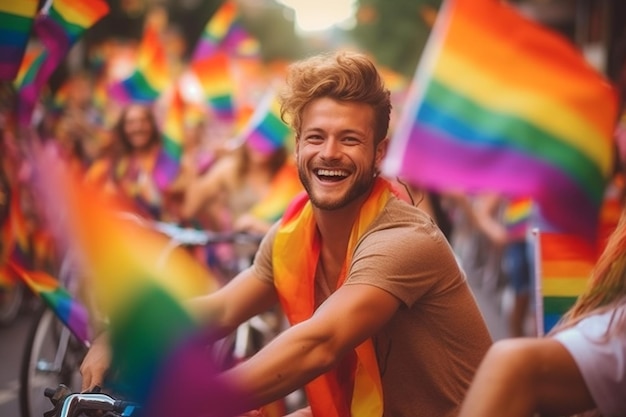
x=407 y=261
x=262 y=265
x=601 y=359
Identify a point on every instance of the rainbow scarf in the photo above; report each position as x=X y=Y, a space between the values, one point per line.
x=500 y=103
x=354 y=387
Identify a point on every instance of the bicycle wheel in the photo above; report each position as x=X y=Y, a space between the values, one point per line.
x=11 y=297
x=52 y=356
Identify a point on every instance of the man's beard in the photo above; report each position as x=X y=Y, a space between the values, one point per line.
x=362 y=186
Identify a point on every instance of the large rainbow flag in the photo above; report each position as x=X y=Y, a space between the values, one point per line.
x=563 y=267
x=58 y=28
x=16 y=22
x=500 y=103
x=139 y=277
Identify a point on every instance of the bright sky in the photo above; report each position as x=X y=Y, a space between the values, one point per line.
x=314 y=15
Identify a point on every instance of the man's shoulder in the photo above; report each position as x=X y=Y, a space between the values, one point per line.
x=401 y=224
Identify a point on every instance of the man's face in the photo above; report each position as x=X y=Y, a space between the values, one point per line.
x=137 y=127
x=337 y=160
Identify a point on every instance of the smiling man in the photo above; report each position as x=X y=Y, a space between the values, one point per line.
x=383 y=322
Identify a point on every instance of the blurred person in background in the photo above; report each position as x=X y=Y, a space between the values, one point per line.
x=507 y=224
x=128 y=166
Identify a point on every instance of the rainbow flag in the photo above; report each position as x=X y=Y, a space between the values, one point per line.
x=152 y=74
x=213 y=73
x=139 y=278
x=266 y=131
x=19 y=247
x=67 y=308
x=16 y=21
x=285 y=186
x=224 y=32
x=167 y=164
x=563 y=267
x=500 y=103
x=58 y=28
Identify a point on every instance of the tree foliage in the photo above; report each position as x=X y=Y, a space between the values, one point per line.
x=395 y=31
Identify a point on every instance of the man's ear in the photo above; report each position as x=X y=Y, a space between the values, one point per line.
x=381 y=152
x=295 y=148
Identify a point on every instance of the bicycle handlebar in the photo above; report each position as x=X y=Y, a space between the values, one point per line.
x=189 y=236
x=68 y=404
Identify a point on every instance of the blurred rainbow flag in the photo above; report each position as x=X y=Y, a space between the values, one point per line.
x=151 y=75
x=265 y=130
x=58 y=28
x=285 y=186
x=167 y=165
x=224 y=31
x=213 y=73
x=66 y=307
x=563 y=267
x=139 y=277
x=16 y=21
x=500 y=103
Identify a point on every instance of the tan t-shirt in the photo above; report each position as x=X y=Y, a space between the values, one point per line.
x=428 y=352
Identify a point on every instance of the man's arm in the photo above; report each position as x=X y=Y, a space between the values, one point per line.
x=242 y=298
x=519 y=377
x=298 y=355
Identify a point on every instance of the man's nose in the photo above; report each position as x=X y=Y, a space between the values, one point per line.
x=330 y=149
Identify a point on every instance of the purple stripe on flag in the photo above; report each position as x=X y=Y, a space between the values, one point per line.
x=165 y=170
x=204 y=49
x=435 y=160
x=8 y=71
x=78 y=322
x=11 y=53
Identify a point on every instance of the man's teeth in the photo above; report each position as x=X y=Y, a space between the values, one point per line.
x=331 y=173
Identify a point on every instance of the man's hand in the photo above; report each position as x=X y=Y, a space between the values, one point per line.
x=96 y=363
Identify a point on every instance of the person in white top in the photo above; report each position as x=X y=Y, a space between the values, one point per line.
x=578 y=368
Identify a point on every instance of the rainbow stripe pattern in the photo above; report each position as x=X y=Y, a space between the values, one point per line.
x=285 y=186
x=151 y=75
x=266 y=132
x=500 y=103
x=16 y=21
x=67 y=308
x=224 y=32
x=138 y=277
x=58 y=29
x=167 y=164
x=564 y=263
x=294 y=278
x=213 y=73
